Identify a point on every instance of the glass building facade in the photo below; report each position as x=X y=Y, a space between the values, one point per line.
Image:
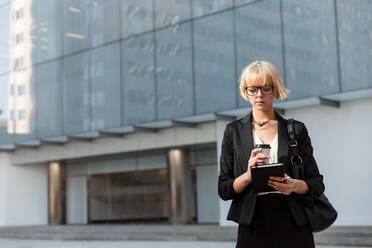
x=78 y=66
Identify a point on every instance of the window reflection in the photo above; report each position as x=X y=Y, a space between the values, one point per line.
x=171 y=11
x=22 y=104
x=174 y=72
x=76 y=96
x=137 y=16
x=214 y=65
x=75 y=25
x=139 y=79
x=310 y=46
x=105 y=80
x=6 y=127
x=355 y=40
x=104 y=21
x=202 y=7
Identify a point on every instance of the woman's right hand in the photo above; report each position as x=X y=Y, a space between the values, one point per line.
x=243 y=180
x=256 y=158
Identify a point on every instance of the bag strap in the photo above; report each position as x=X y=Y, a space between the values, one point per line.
x=296 y=160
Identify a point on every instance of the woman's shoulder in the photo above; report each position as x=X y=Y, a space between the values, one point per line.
x=300 y=127
x=234 y=125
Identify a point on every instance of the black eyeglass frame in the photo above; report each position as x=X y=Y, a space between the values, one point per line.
x=259 y=88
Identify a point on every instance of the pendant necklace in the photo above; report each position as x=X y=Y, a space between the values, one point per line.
x=261 y=123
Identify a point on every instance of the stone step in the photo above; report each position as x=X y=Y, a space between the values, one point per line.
x=345 y=236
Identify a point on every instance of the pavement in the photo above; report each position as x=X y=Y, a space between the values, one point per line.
x=25 y=243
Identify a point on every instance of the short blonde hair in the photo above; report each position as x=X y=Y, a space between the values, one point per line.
x=262 y=73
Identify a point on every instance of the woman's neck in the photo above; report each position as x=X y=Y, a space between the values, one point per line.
x=263 y=115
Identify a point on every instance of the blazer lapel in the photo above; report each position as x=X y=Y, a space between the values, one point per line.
x=246 y=142
x=283 y=142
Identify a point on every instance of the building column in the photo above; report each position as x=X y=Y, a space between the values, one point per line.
x=56 y=193
x=181 y=188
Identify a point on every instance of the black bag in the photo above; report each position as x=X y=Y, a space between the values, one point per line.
x=322 y=214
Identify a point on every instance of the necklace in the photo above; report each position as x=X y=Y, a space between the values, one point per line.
x=261 y=123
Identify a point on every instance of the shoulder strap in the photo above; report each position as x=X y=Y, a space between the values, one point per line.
x=296 y=160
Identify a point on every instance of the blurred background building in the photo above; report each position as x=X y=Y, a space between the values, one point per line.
x=112 y=111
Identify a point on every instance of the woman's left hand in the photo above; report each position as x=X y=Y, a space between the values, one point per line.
x=284 y=185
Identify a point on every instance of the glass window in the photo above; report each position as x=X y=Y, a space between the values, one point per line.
x=49 y=99
x=75 y=25
x=138 y=79
x=310 y=47
x=137 y=16
x=24 y=124
x=105 y=76
x=4 y=2
x=76 y=93
x=258 y=37
x=6 y=125
x=105 y=19
x=19 y=14
x=215 y=80
x=355 y=39
x=49 y=29
x=202 y=7
x=171 y=11
x=24 y=20
x=174 y=72
x=5 y=39
x=239 y=2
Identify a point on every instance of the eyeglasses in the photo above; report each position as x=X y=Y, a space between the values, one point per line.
x=253 y=90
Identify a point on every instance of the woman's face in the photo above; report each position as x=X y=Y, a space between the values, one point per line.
x=261 y=97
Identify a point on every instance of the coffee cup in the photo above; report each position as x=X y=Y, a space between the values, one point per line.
x=265 y=151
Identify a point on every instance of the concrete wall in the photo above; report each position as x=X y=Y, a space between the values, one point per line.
x=23 y=193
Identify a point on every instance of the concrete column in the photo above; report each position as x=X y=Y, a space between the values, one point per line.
x=57 y=193
x=224 y=205
x=181 y=198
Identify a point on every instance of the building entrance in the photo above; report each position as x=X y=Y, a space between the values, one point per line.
x=139 y=196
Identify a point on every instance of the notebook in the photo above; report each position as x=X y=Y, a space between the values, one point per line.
x=261 y=174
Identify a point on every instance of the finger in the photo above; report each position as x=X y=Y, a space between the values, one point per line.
x=262 y=156
x=279 y=179
x=254 y=152
x=279 y=186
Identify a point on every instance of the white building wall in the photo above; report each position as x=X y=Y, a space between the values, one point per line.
x=4 y=162
x=342 y=141
x=23 y=193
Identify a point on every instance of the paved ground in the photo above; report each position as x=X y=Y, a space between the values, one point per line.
x=13 y=243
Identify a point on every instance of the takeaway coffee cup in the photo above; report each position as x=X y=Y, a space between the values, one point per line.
x=265 y=150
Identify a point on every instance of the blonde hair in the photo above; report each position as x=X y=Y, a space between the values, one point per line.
x=262 y=73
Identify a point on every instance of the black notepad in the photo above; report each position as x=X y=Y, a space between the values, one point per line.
x=261 y=174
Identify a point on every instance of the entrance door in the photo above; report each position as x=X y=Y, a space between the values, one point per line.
x=140 y=196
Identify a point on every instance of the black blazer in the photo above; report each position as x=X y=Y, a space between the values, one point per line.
x=237 y=145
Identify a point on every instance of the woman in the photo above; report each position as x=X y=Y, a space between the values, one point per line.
x=274 y=219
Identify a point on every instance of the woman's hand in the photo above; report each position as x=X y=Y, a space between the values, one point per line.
x=256 y=158
x=284 y=185
x=241 y=182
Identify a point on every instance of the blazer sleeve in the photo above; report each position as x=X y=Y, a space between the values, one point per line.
x=226 y=175
x=312 y=176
